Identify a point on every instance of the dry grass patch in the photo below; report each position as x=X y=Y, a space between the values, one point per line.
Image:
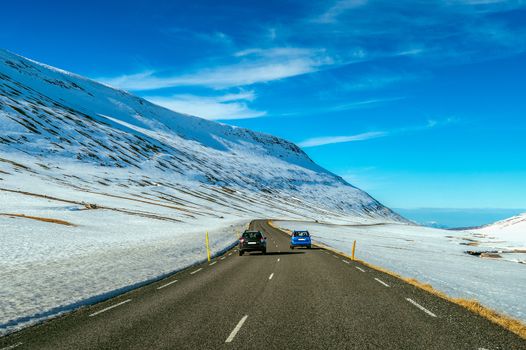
x=49 y=220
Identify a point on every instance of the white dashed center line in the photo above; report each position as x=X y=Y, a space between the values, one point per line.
x=345 y=261
x=223 y=257
x=213 y=263
x=334 y=256
x=110 y=307
x=167 y=284
x=381 y=282
x=359 y=268
x=234 y=332
x=12 y=346
x=278 y=259
x=196 y=271
x=271 y=275
x=229 y=254
x=421 y=307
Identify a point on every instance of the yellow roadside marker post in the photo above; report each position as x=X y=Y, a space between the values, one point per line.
x=353 y=249
x=207 y=247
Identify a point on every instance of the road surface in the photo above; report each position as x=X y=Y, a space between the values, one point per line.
x=287 y=299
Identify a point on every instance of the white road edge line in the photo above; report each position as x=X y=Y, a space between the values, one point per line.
x=359 y=268
x=229 y=254
x=12 y=346
x=238 y=327
x=271 y=275
x=381 y=282
x=421 y=307
x=345 y=261
x=110 y=307
x=335 y=256
x=166 y=285
x=223 y=257
x=212 y=263
x=196 y=271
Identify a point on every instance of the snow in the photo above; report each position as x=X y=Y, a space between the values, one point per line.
x=508 y=234
x=432 y=256
x=139 y=184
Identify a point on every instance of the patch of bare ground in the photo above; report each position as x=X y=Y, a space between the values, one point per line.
x=188 y=212
x=15 y=164
x=38 y=218
x=95 y=206
x=490 y=255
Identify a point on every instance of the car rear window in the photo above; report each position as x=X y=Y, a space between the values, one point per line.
x=252 y=235
x=301 y=234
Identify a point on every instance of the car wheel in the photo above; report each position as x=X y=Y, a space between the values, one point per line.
x=241 y=253
x=308 y=247
x=291 y=247
x=264 y=251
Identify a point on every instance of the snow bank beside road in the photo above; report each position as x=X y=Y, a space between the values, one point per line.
x=431 y=256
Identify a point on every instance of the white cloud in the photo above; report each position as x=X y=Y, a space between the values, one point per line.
x=229 y=106
x=254 y=66
x=216 y=37
x=327 y=140
x=340 y=7
x=364 y=103
x=320 y=141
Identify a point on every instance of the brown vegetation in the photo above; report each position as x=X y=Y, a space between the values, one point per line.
x=50 y=220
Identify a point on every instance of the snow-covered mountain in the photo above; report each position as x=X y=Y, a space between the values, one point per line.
x=512 y=229
x=52 y=122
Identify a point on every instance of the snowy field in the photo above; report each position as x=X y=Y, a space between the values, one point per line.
x=436 y=257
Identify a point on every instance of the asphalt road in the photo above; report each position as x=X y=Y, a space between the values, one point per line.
x=287 y=299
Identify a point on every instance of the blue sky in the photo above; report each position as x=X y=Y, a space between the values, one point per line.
x=421 y=103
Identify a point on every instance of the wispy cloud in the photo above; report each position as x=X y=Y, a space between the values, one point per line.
x=380 y=80
x=228 y=106
x=320 y=141
x=339 y=7
x=327 y=140
x=363 y=104
x=215 y=37
x=441 y=32
x=254 y=66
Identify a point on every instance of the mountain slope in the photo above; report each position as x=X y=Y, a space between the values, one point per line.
x=512 y=229
x=58 y=117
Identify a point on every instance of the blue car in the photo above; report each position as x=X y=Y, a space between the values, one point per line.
x=300 y=239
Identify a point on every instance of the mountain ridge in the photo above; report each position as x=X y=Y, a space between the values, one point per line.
x=56 y=115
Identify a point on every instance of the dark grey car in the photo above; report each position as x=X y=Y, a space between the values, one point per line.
x=251 y=241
